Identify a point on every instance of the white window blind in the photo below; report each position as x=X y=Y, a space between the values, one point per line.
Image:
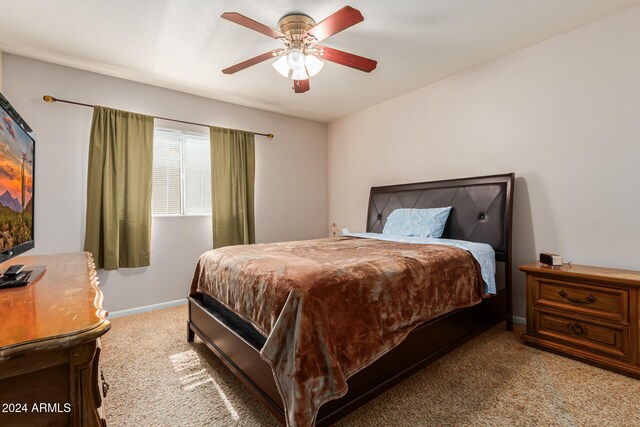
x=181 y=173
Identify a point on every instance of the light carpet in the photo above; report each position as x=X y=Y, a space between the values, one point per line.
x=156 y=378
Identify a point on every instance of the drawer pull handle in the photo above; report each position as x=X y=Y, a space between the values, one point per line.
x=577 y=329
x=588 y=300
x=105 y=385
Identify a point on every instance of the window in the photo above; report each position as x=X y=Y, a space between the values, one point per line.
x=181 y=173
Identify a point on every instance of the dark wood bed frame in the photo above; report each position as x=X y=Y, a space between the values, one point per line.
x=482 y=212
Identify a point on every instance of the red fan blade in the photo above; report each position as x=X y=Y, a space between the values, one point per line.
x=249 y=62
x=349 y=59
x=251 y=24
x=301 y=86
x=342 y=19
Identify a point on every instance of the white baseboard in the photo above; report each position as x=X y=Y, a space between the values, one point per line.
x=146 y=308
x=517 y=320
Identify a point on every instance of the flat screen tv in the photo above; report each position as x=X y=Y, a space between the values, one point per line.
x=17 y=165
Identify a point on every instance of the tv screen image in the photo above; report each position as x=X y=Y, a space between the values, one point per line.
x=16 y=184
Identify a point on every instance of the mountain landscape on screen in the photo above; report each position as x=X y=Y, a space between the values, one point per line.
x=7 y=200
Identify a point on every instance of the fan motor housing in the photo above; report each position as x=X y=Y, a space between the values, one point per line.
x=295 y=25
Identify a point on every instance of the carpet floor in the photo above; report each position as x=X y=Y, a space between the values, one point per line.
x=156 y=378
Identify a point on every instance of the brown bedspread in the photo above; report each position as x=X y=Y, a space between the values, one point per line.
x=331 y=307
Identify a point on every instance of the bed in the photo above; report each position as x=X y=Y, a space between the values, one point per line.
x=481 y=212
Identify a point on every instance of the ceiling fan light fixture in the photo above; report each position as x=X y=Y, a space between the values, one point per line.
x=313 y=64
x=282 y=67
x=299 y=74
x=301 y=57
x=295 y=59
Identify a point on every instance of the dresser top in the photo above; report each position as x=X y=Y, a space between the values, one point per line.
x=62 y=308
x=612 y=275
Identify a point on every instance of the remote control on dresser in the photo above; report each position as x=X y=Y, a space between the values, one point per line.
x=14 y=270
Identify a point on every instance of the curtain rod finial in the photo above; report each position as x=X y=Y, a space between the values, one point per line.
x=48 y=98
x=270 y=136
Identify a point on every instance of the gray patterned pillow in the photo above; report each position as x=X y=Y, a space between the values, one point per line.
x=417 y=222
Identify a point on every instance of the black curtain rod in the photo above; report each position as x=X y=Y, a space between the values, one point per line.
x=50 y=99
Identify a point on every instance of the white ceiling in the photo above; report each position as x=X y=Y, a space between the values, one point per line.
x=184 y=44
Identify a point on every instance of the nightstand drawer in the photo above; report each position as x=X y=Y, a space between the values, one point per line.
x=607 y=303
x=609 y=340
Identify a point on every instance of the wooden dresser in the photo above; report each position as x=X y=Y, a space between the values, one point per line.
x=50 y=346
x=589 y=313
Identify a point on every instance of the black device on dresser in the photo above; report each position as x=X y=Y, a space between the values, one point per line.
x=15 y=276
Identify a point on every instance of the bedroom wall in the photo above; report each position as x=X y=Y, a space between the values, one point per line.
x=291 y=173
x=564 y=115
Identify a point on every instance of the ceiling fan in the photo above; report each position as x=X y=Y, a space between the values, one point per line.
x=301 y=57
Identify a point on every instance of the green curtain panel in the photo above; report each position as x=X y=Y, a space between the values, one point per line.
x=232 y=185
x=118 y=231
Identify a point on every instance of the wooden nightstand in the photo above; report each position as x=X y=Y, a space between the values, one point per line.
x=588 y=313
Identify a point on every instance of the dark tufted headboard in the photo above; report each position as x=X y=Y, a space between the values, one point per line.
x=481 y=211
